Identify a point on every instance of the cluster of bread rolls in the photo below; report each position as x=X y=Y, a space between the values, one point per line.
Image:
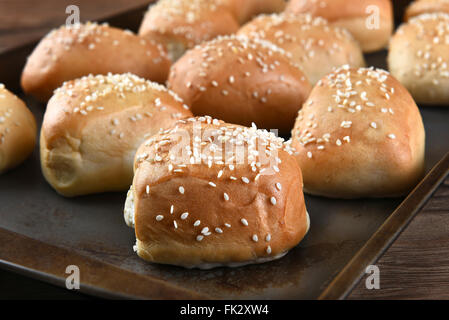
x=181 y=24
x=206 y=187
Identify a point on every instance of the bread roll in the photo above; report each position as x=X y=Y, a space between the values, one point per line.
x=181 y=24
x=93 y=126
x=419 y=56
x=207 y=194
x=247 y=9
x=370 y=21
x=360 y=134
x=419 y=7
x=72 y=52
x=17 y=130
x=311 y=42
x=240 y=81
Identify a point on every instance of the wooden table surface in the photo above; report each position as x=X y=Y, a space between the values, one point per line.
x=415 y=266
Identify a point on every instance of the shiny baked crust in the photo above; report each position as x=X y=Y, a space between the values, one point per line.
x=180 y=25
x=419 y=56
x=360 y=134
x=69 y=53
x=17 y=130
x=311 y=42
x=419 y=7
x=198 y=201
x=353 y=15
x=93 y=126
x=240 y=81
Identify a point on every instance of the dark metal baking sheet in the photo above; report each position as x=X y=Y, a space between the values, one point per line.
x=52 y=231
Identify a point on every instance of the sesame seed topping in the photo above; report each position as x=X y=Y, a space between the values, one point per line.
x=175 y=224
x=159 y=217
x=199 y=238
x=197 y=223
x=218 y=230
x=392 y=136
x=181 y=190
x=278 y=186
x=255 y=238
x=245 y=180
x=268 y=238
x=226 y=196
x=273 y=201
x=244 y=222
x=184 y=215
x=268 y=250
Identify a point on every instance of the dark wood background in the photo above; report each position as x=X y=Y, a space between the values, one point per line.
x=25 y=20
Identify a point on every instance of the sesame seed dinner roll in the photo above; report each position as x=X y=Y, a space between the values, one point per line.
x=207 y=194
x=93 y=126
x=369 y=21
x=419 y=7
x=240 y=81
x=311 y=42
x=17 y=130
x=360 y=134
x=419 y=57
x=181 y=24
x=72 y=52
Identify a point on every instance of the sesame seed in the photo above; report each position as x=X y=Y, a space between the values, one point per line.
x=244 y=222
x=212 y=184
x=227 y=225
x=309 y=155
x=255 y=238
x=197 y=223
x=205 y=230
x=199 y=238
x=373 y=125
x=148 y=189
x=278 y=186
x=268 y=238
x=184 y=215
x=269 y=250
x=181 y=190
x=218 y=230
x=175 y=224
x=273 y=201
x=172 y=209
x=159 y=217
x=392 y=136
x=226 y=196
x=245 y=180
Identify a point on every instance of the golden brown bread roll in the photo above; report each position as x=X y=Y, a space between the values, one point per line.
x=93 y=126
x=72 y=52
x=207 y=194
x=311 y=42
x=240 y=81
x=360 y=134
x=181 y=24
x=419 y=7
x=17 y=130
x=357 y=16
x=247 y=9
x=419 y=57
